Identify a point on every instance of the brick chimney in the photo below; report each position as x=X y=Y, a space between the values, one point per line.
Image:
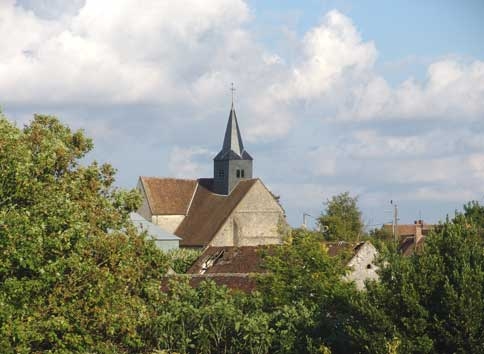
x=418 y=232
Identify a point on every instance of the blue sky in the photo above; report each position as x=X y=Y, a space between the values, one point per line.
x=382 y=99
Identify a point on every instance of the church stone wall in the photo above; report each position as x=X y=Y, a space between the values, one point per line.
x=255 y=221
x=168 y=222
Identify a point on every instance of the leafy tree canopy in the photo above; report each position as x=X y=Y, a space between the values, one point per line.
x=305 y=280
x=342 y=218
x=431 y=302
x=73 y=269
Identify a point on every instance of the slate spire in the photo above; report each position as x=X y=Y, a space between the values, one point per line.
x=233 y=162
x=233 y=147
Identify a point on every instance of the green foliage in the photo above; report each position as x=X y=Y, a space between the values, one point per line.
x=76 y=277
x=431 y=302
x=207 y=319
x=473 y=214
x=72 y=270
x=182 y=259
x=342 y=218
x=307 y=296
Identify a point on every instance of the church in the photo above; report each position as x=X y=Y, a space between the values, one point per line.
x=232 y=209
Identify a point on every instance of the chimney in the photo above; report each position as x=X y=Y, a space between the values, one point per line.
x=418 y=232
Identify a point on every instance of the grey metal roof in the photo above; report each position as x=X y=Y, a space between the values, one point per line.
x=154 y=231
x=233 y=147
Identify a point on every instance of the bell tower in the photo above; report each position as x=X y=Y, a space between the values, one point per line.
x=232 y=163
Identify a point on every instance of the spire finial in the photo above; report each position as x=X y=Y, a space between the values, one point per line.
x=232 y=88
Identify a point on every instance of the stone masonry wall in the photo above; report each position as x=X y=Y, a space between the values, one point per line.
x=363 y=265
x=168 y=222
x=255 y=221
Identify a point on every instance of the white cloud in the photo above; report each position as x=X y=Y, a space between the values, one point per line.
x=114 y=51
x=183 y=162
x=452 y=89
x=180 y=58
x=329 y=50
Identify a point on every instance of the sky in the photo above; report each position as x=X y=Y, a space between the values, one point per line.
x=384 y=99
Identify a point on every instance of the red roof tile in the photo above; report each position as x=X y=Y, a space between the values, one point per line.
x=234 y=260
x=407 y=246
x=405 y=230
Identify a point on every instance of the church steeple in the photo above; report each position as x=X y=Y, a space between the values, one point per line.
x=232 y=163
x=233 y=147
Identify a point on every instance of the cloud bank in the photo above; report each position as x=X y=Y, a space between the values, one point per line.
x=158 y=74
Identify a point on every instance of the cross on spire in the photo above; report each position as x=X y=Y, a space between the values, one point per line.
x=232 y=88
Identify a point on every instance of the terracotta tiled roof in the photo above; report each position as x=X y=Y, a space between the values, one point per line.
x=237 y=282
x=407 y=246
x=405 y=230
x=168 y=196
x=208 y=212
x=229 y=266
x=223 y=260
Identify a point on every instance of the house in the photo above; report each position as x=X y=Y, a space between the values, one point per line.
x=414 y=240
x=229 y=266
x=404 y=231
x=363 y=264
x=234 y=267
x=231 y=209
x=163 y=239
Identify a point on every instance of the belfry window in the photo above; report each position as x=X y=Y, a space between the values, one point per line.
x=240 y=174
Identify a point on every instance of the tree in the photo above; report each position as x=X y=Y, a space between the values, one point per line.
x=342 y=218
x=73 y=269
x=431 y=302
x=473 y=214
x=305 y=292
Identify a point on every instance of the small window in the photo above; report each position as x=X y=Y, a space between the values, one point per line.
x=242 y=174
x=238 y=173
x=368 y=266
x=221 y=173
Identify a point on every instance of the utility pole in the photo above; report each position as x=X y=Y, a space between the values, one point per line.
x=395 y=221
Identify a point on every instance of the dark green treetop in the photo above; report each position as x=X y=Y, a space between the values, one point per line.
x=342 y=218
